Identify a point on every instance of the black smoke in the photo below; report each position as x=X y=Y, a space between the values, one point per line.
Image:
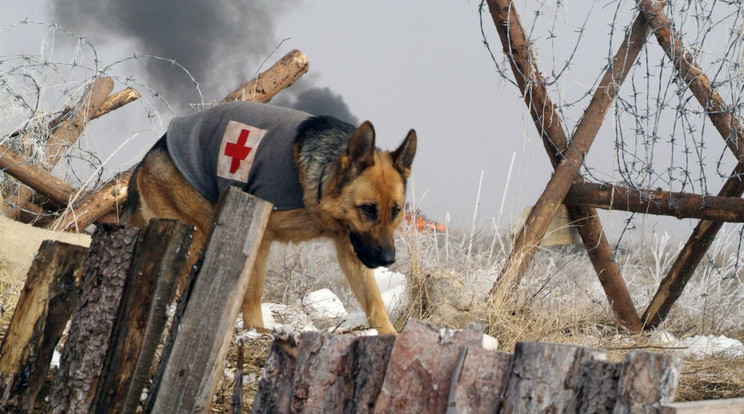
x=317 y=101
x=220 y=43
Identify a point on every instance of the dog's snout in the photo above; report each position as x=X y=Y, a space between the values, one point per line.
x=387 y=257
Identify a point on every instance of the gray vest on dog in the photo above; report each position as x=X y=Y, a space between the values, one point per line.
x=214 y=149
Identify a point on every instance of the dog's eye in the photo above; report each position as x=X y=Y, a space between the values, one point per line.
x=396 y=211
x=369 y=210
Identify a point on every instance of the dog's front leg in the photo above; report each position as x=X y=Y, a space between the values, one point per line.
x=363 y=284
x=252 y=315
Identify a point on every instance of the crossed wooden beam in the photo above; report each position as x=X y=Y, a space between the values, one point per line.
x=567 y=186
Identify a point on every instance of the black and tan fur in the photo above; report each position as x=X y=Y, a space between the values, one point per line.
x=353 y=194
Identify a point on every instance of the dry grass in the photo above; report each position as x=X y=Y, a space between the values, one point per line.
x=559 y=300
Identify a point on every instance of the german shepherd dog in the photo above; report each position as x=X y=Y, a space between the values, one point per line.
x=349 y=191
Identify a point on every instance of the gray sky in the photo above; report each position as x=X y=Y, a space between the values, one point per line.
x=412 y=64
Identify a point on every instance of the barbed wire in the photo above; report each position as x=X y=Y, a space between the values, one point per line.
x=661 y=137
x=38 y=90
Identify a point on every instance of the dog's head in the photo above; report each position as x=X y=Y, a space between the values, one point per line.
x=371 y=196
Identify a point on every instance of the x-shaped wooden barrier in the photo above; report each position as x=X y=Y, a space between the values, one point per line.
x=567 y=158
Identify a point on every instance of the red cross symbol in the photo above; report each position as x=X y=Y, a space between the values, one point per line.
x=238 y=150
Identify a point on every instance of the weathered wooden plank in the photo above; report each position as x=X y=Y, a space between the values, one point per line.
x=205 y=329
x=546 y=377
x=274 y=394
x=729 y=406
x=647 y=380
x=46 y=303
x=418 y=381
x=140 y=322
x=478 y=384
x=104 y=276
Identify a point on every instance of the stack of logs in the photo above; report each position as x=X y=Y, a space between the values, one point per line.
x=430 y=370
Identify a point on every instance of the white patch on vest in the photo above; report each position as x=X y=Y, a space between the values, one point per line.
x=237 y=151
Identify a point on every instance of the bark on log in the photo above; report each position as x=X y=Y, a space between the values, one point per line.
x=116 y=101
x=151 y=287
x=550 y=127
x=267 y=84
x=647 y=380
x=95 y=205
x=48 y=298
x=547 y=377
x=323 y=379
x=371 y=358
x=39 y=179
x=83 y=357
x=419 y=382
x=274 y=394
x=657 y=202
x=730 y=128
x=600 y=389
x=205 y=330
x=479 y=382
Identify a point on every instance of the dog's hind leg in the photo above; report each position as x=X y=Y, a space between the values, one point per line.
x=252 y=315
x=362 y=282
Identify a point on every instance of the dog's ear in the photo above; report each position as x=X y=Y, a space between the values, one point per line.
x=361 y=149
x=403 y=156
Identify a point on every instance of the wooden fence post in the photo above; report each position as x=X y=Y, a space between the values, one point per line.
x=83 y=357
x=48 y=298
x=139 y=325
x=205 y=329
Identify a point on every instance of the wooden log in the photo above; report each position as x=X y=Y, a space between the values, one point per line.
x=83 y=357
x=600 y=387
x=647 y=380
x=547 y=377
x=728 y=406
x=95 y=205
x=549 y=125
x=323 y=379
x=48 y=298
x=66 y=134
x=479 y=382
x=204 y=332
x=140 y=322
x=39 y=179
x=658 y=202
x=419 y=382
x=280 y=75
x=371 y=357
x=274 y=394
x=116 y=101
